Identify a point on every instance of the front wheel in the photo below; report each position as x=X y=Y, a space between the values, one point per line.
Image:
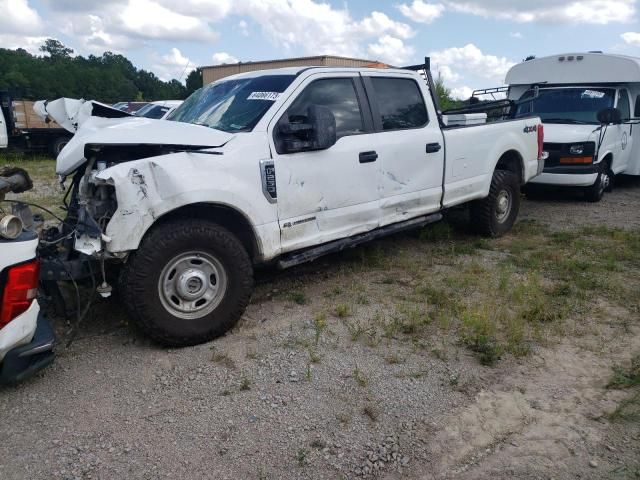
x=189 y=282
x=603 y=183
x=494 y=215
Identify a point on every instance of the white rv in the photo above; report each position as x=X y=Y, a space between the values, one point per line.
x=587 y=102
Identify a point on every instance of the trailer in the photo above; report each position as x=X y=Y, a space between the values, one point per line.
x=22 y=128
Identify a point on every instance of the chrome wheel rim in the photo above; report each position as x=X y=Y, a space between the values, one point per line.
x=192 y=285
x=604 y=181
x=503 y=205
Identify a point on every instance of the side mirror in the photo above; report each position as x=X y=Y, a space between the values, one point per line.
x=315 y=131
x=607 y=116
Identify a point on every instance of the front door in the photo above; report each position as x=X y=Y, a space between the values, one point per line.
x=624 y=134
x=327 y=194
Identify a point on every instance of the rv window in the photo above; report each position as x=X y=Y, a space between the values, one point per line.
x=571 y=105
x=623 y=105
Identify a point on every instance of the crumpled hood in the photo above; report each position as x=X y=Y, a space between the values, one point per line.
x=134 y=131
x=559 y=133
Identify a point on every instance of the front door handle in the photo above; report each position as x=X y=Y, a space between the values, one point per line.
x=433 y=147
x=368 y=157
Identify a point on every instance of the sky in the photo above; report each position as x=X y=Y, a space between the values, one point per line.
x=472 y=43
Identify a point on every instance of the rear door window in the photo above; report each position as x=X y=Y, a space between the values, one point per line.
x=399 y=103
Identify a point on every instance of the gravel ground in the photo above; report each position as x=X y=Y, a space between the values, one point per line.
x=289 y=395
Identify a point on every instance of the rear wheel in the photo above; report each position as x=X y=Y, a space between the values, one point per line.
x=189 y=282
x=603 y=183
x=495 y=215
x=57 y=145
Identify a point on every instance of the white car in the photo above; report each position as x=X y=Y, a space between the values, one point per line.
x=26 y=338
x=278 y=167
x=159 y=110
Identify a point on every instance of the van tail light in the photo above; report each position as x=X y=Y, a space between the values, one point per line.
x=540 y=141
x=20 y=290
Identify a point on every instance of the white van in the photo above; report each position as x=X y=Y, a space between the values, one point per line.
x=569 y=91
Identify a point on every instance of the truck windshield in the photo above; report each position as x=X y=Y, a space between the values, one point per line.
x=567 y=105
x=232 y=105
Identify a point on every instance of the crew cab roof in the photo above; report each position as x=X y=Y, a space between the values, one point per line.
x=576 y=68
x=299 y=70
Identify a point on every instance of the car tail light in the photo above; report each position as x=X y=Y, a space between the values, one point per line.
x=540 y=141
x=19 y=291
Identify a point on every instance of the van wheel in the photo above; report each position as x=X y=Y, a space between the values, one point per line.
x=57 y=145
x=494 y=215
x=603 y=183
x=189 y=282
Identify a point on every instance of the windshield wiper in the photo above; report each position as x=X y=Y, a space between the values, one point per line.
x=565 y=120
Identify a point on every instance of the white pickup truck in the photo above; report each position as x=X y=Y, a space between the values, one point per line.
x=26 y=338
x=278 y=167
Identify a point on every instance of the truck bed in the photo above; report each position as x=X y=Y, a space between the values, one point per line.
x=26 y=119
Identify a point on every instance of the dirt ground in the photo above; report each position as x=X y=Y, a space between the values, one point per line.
x=302 y=388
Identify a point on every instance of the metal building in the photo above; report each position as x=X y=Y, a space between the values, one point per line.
x=216 y=72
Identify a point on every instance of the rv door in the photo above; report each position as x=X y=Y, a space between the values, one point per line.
x=4 y=134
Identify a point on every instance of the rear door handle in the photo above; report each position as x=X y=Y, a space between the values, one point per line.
x=368 y=157
x=433 y=147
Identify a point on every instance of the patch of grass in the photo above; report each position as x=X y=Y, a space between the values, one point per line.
x=298 y=297
x=245 y=383
x=301 y=457
x=343 y=310
x=359 y=377
x=479 y=335
x=626 y=377
x=437 y=232
x=319 y=325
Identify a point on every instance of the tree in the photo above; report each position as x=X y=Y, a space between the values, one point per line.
x=194 y=81
x=56 y=49
x=447 y=102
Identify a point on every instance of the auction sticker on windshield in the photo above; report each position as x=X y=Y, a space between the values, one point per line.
x=592 y=94
x=270 y=96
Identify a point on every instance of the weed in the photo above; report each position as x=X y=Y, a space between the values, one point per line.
x=318 y=444
x=440 y=354
x=626 y=377
x=342 y=310
x=371 y=412
x=319 y=325
x=480 y=336
x=359 y=377
x=245 y=383
x=301 y=457
x=307 y=373
x=298 y=297
x=394 y=359
x=313 y=356
x=221 y=358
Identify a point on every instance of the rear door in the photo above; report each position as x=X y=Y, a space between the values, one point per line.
x=409 y=145
x=327 y=194
x=4 y=136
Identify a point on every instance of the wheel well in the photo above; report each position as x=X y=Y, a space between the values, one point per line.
x=224 y=216
x=608 y=159
x=512 y=162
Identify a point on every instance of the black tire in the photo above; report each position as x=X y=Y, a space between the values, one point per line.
x=603 y=183
x=488 y=216
x=156 y=312
x=57 y=145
